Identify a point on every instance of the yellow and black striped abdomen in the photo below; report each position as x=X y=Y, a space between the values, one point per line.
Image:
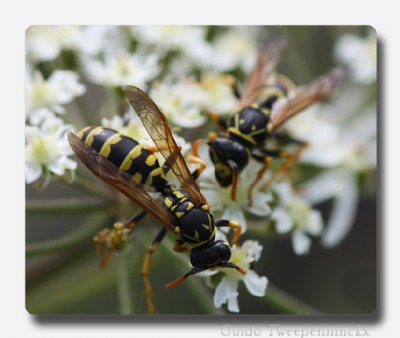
x=126 y=154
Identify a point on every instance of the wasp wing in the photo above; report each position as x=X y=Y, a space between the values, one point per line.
x=158 y=128
x=110 y=174
x=267 y=60
x=304 y=96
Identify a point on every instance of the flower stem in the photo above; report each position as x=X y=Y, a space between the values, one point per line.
x=125 y=285
x=83 y=233
x=286 y=303
x=70 y=204
x=93 y=188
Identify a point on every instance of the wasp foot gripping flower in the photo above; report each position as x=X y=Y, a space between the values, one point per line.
x=227 y=289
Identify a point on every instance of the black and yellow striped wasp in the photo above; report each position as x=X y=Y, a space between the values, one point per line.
x=267 y=101
x=134 y=170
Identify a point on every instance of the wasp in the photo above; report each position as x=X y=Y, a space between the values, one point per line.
x=267 y=101
x=134 y=170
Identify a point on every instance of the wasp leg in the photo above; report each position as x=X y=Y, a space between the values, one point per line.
x=290 y=161
x=231 y=224
x=148 y=290
x=180 y=246
x=235 y=172
x=103 y=236
x=195 y=158
x=233 y=83
x=220 y=123
x=260 y=174
x=302 y=145
x=155 y=149
x=288 y=139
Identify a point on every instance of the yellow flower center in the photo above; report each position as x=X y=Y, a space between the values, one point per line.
x=42 y=150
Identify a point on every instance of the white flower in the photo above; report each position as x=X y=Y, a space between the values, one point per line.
x=171 y=37
x=47 y=150
x=180 y=102
x=220 y=198
x=219 y=97
x=343 y=144
x=234 y=48
x=360 y=55
x=129 y=125
x=227 y=289
x=59 y=89
x=294 y=214
x=93 y=40
x=44 y=43
x=120 y=68
x=341 y=186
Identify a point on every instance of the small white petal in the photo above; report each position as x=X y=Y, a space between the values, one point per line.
x=32 y=172
x=253 y=249
x=31 y=132
x=226 y=289
x=322 y=187
x=314 y=223
x=260 y=205
x=284 y=192
x=343 y=213
x=233 y=305
x=301 y=242
x=56 y=169
x=284 y=222
x=255 y=284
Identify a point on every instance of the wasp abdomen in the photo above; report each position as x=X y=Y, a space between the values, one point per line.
x=127 y=154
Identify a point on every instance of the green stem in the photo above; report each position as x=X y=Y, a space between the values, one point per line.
x=71 y=204
x=91 y=187
x=76 y=286
x=286 y=303
x=125 y=286
x=90 y=226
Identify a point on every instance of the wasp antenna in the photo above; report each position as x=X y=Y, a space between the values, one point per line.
x=240 y=270
x=176 y=282
x=233 y=266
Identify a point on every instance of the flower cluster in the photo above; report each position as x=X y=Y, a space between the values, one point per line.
x=184 y=70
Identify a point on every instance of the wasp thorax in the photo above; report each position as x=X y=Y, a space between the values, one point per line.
x=216 y=253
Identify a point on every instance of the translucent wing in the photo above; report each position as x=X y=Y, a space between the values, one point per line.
x=267 y=60
x=305 y=96
x=110 y=174
x=157 y=126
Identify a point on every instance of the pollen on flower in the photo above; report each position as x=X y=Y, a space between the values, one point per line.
x=42 y=150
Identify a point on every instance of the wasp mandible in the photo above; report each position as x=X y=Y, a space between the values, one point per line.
x=133 y=169
x=267 y=101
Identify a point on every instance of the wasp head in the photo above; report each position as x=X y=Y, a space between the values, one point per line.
x=218 y=252
x=227 y=155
